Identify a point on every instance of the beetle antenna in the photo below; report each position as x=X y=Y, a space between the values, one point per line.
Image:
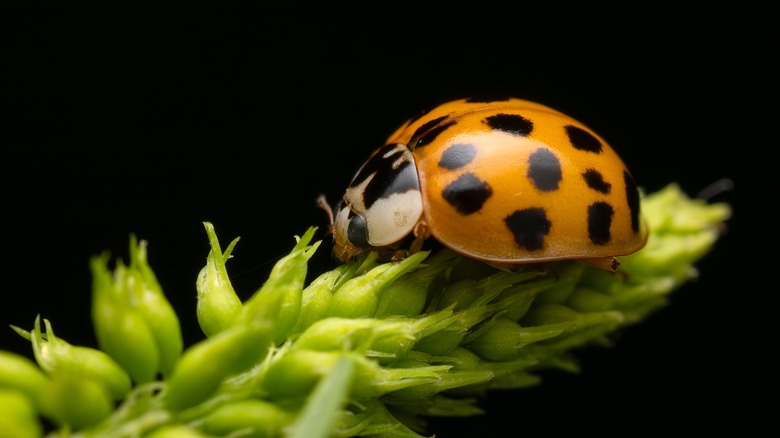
x=322 y=203
x=716 y=188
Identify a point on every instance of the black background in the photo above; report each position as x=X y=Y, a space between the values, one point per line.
x=151 y=122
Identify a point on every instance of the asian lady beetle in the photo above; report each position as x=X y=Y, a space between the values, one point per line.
x=507 y=182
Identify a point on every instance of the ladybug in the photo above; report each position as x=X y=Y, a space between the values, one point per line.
x=508 y=182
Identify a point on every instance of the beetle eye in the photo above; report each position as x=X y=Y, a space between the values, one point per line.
x=357 y=232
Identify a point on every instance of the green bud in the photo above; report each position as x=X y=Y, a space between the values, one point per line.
x=565 y=276
x=670 y=254
x=635 y=295
x=511 y=374
x=279 y=299
x=252 y=417
x=446 y=381
x=515 y=300
x=120 y=328
x=444 y=406
x=638 y=299
x=475 y=293
x=453 y=330
x=295 y=374
x=465 y=359
x=359 y=297
x=76 y=401
x=341 y=334
x=218 y=305
x=511 y=380
x=449 y=380
x=670 y=210
x=21 y=374
x=202 y=367
x=386 y=339
x=154 y=308
x=682 y=231
x=400 y=334
x=500 y=292
x=316 y=297
x=176 y=431
x=18 y=415
x=579 y=327
x=57 y=357
x=445 y=340
x=405 y=296
x=550 y=313
x=587 y=299
x=408 y=294
x=502 y=338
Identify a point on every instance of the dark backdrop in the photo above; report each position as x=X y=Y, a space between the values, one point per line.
x=150 y=122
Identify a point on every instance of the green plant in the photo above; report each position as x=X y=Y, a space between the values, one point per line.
x=367 y=348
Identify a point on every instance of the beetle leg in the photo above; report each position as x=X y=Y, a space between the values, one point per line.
x=610 y=264
x=421 y=233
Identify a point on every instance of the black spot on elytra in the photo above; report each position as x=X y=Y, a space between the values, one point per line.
x=427 y=125
x=582 y=139
x=595 y=180
x=632 y=197
x=530 y=227
x=544 y=170
x=457 y=156
x=467 y=194
x=599 y=222
x=388 y=180
x=417 y=116
x=514 y=124
x=430 y=133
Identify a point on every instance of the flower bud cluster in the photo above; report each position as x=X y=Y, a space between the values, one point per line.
x=368 y=348
x=134 y=322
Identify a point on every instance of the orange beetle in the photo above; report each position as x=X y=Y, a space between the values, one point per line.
x=508 y=182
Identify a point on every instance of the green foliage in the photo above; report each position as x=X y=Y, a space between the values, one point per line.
x=367 y=348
